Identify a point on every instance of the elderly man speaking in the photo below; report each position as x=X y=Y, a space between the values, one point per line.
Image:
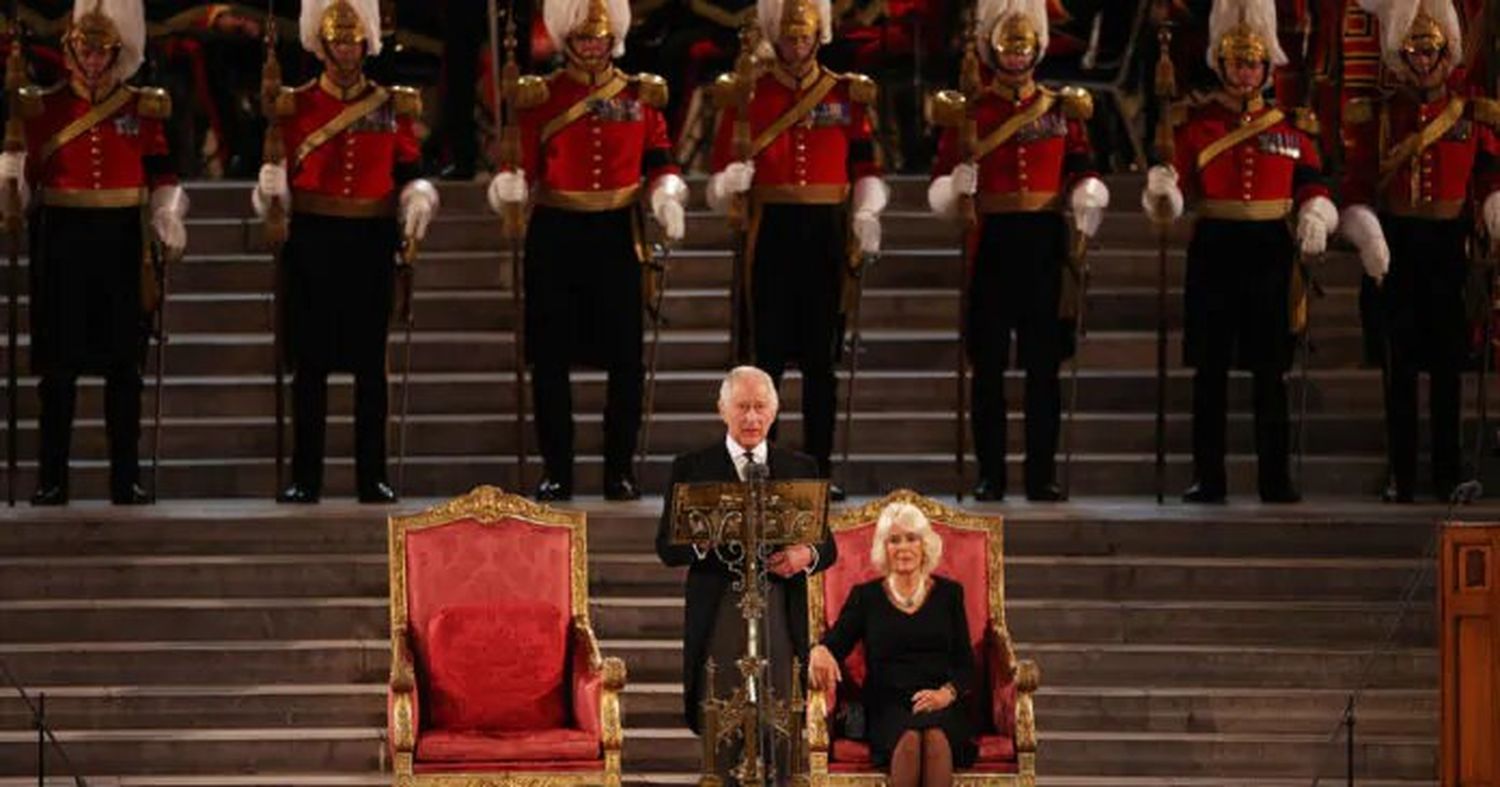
x=748 y=405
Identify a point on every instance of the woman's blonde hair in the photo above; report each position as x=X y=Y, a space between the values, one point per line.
x=912 y=517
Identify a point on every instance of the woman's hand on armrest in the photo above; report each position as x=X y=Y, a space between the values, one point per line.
x=822 y=669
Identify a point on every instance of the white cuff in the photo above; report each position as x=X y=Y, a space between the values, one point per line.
x=422 y=189
x=870 y=195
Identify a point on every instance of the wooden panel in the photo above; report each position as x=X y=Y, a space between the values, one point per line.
x=1469 y=608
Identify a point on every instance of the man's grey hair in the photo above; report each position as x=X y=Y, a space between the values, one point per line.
x=747 y=374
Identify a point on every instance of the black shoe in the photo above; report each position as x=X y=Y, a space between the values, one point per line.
x=50 y=495
x=620 y=488
x=989 y=491
x=836 y=493
x=1049 y=492
x=1200 y=492
x=1279 y=493
x=132 y=495
x=297 y=493
x=1397 y=493
x=378 y=492
x=549 y=491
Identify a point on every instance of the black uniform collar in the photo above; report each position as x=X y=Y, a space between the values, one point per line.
x=590 y=78
x=343 y=93
x=1016 y=93
x=797 y=83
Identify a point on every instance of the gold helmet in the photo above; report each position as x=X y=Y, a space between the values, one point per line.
x=116 y=25
x=795 y=17
x=1241 y=30
x=1411 y=26
x=1013 y=27
x=564 y=18
x=326 y=22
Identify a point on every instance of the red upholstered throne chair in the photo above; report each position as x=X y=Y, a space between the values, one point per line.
x=496 y=677
x=973 y=554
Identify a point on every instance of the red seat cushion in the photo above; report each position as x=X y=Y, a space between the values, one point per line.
x=497 y=667
x=534 y=746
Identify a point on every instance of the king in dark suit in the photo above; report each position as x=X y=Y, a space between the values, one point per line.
x=713 y=626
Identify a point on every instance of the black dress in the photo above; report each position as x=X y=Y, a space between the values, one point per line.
x=904 y=654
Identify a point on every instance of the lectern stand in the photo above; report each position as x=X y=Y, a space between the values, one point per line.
x=742 y=524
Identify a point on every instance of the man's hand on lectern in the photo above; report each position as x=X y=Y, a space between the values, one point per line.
x=790 y=561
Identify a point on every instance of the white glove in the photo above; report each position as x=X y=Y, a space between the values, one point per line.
x=1492 y=216
x=1162 y=192
x=943 y=194
x=1316 y=220
x=506 y=188
x=1088 y=201
x=737 y=178
x=13 y=167
x=1362 y=228
x=667 y=205
x=870 y=198
x=271 y=184
x=419 y=203
x=169 y=205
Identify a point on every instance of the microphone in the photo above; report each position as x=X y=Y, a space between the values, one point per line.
x=757 y=471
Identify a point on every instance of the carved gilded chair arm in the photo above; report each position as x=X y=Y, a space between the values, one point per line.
x=597 y=683
x=1028 y=677
x=403 y=670
x=817 y=721
x=401 y=702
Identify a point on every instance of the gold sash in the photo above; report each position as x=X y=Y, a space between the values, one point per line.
x=1420 y=140
x=580 y=107
x=97 y=114
x=793 y=115
x=352 y=114
x=1219 y=146
x=1014 y=124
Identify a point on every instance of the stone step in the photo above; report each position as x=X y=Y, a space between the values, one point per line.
x=1409 y=712
x=884 y=308
x=163 y=707
x=692 y=393
x=871 y=433
x=140 y=662
x=205 y=749
x=1096 y=528
x=641 y=574
x=1129 y=622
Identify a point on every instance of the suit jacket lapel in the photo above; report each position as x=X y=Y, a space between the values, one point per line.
x=725 y=468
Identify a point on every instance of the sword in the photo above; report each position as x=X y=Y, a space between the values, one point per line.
x=661 y=254
x=1078 y=263
x=513 y=218
x=855 y=336
x=1304 y=351
x=15 y=142
x=273 y=151
x=405 y=280
x=163 y=280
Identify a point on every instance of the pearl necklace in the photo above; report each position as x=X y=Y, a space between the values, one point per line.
x=907 y=602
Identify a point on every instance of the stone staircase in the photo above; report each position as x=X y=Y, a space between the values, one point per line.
x=218 y=435
x=240 y=643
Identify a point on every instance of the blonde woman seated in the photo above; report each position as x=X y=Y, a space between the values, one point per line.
x=920 y=664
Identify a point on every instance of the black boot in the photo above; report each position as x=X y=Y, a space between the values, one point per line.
x=50 y=494
x=1049 y=492
x=298 y=493
x=621 y=487
x=1201 y=492
x=130 y=495
x=377 y=492
x=550 y=491
x=989 y=491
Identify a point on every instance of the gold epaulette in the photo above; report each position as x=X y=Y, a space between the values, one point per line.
x=1306 y=120
x=724 y=90
x=1077 y=103
x=407 y=101
x=947 y=109
x=152 y=102
x=650 y=89
x=286 y=100
x=1359 y=111
x=1487 y=111
x=530 y=92
x=1179 y=112
x=862 y=89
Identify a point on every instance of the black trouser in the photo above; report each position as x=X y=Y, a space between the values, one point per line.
x=1210 y=416
x=1420 y=312
x=583 y=306
x=122 y=423
x=309 y=421
x=800 y=254
x=1017 y=279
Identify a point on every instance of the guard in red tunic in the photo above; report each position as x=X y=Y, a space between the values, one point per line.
x=1250 y=166
x=809 y=138
x=1426 y=158
x=590 y=136
x=96 y=164
x=1030 y=161
x=351 y=188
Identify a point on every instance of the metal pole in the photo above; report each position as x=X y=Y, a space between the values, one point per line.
x=1349 y=741
x=41 y=740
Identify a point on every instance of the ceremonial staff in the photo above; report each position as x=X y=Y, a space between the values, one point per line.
x=504 y=81
x=742 y=322
x=15 y=142
x=970 y=83
x=661 y=255
x=1166 y=149
x=273 y=151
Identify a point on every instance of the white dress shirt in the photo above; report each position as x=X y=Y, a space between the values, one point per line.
x=760 y=452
